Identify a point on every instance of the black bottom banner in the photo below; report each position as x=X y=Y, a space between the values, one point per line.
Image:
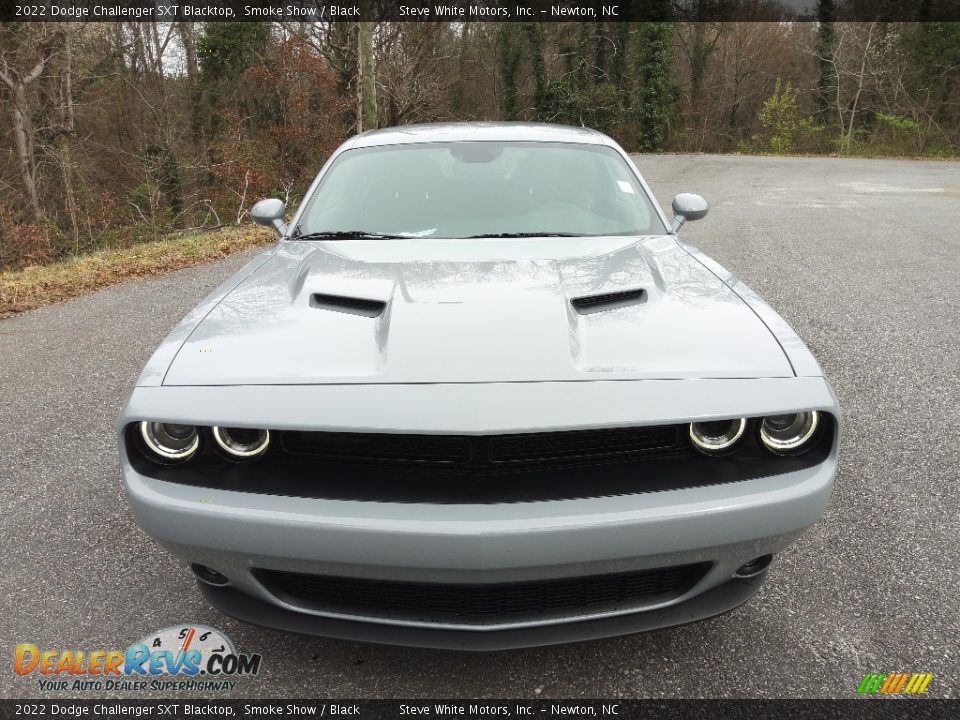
x=482 y=709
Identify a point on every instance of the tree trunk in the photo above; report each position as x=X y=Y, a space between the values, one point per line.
x=860 y=78
x=698 y=66
x=600 y=69
x=509 y=51
x=535 y=38
x=620 y=68
x=367 y=78
x=139 y=53
x=583 y=49
x=826 y=14
x=193 y=80
x=654 y=64
x=359 y=86
x=63 y=140
x=702 y=49
x=23 y=134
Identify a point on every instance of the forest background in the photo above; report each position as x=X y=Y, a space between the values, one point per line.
x=116 y=134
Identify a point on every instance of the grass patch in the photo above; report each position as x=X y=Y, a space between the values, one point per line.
x=38 y=285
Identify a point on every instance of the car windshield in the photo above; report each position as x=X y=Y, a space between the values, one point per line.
x=478 y=189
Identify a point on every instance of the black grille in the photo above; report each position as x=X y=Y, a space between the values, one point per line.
x=581 y=444
x=482 y=603
x=482 y=452
x=383 y=446
x=459 y=469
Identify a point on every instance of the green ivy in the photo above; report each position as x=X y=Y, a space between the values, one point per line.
x=655 y=91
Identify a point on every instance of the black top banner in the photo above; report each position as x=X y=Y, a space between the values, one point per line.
x=570 y=709
x=475 y=10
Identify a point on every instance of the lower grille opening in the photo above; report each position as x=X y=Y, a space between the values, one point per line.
x=484 y=603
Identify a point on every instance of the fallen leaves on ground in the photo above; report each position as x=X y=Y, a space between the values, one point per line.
x=38 y=285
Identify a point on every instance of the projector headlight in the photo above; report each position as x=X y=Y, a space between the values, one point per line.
x=789 y=434
x=242 y=443
x=169 y=442
x=716 y=437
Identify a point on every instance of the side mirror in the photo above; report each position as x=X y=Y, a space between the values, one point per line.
x=688 y=206
x=270 y=212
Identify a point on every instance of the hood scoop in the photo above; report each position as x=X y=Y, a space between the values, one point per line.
x=608 y=301
x=349 y=305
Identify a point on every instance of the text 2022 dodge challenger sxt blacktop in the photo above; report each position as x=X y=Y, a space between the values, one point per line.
x=479 y=395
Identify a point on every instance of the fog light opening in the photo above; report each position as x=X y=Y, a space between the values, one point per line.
x=209 y=576
x=755 y=567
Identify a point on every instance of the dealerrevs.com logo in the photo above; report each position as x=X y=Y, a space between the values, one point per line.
x=181 y=657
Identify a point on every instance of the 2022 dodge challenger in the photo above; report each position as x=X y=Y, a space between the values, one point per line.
x=479 y=395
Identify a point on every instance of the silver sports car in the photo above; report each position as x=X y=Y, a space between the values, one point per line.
x=479 y=395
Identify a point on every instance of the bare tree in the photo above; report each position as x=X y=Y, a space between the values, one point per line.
x=859 y=80
x=17 y=75
x=366 y=78
x=65 y=132
x=849 y=61
x=186 y=30
x=415 y=70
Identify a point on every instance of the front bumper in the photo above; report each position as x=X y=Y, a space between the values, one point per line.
x=724 y=525
x=235 y=533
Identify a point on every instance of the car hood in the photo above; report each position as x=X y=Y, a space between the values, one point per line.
x=468 y=311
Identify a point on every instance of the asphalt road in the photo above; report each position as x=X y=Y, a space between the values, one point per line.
x=861 y=256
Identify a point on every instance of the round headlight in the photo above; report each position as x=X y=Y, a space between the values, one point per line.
x=170 y=441
x=242 y=443
x=783 y=434
x=717 y=436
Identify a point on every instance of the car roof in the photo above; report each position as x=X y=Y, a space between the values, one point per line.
x=478 y=131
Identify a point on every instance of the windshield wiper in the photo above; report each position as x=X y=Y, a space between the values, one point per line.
x=345 y=235
x=524 y=235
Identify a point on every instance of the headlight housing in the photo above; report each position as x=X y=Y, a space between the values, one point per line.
x=790 y=433
x=716 y=437
x=169 y=442
x=242 y=443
